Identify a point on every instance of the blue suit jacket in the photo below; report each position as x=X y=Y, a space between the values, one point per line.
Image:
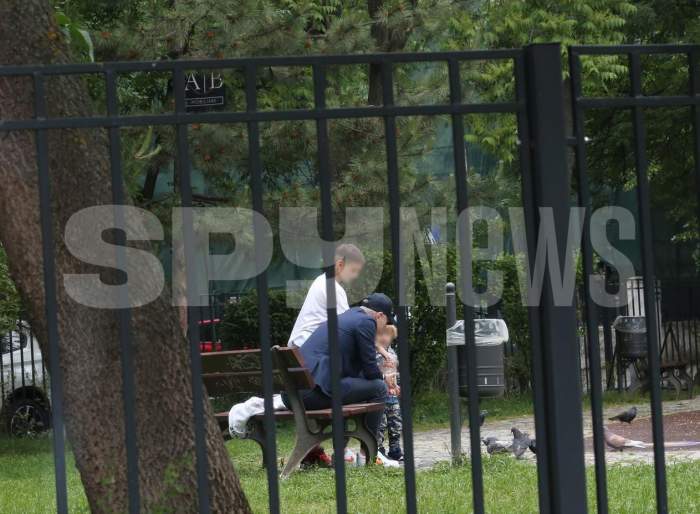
x=356 y=334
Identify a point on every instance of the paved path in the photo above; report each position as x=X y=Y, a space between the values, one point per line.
x=433 y=446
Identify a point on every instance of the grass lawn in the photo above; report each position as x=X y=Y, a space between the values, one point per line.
x=510 y=486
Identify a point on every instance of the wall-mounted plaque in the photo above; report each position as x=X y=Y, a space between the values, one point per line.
x=204 y=91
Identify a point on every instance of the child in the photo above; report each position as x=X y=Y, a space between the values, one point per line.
x=388 y=363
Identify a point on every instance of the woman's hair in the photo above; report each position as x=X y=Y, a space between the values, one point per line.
x=394 y=331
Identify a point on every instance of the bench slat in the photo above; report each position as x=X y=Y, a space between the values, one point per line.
x=222 y=383
x=241 y=371
x=244 y=360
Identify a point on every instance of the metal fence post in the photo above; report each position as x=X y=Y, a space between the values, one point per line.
x=558 y=350
x=453 y=378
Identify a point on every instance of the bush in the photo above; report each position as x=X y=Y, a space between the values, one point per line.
x=240 y=327
x=9 y=297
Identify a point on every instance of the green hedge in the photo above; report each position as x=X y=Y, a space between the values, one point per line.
x=240 y=327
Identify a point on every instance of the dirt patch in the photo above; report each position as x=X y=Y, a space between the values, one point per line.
x=681 y=431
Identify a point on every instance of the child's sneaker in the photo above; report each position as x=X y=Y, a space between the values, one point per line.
x=383 y=460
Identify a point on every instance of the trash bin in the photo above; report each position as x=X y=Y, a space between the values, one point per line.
x=489 y=336
x=631 y=336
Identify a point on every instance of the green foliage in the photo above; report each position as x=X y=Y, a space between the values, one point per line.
x=9 y=297
x=669 y=130
x=518 y=363
x=513 y=24
x=240 y=327
x=77 y=37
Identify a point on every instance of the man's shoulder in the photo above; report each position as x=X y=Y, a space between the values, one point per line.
x=359 y=320
x=356 y=314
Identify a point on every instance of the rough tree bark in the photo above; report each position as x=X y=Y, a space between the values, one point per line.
x=89 y=350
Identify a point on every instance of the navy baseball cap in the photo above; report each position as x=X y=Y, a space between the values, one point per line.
x=381 y=303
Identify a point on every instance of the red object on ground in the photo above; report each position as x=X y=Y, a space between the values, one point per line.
x=209 y=346
x=317 y=457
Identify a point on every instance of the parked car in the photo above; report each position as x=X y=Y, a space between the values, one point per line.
x=24 y=398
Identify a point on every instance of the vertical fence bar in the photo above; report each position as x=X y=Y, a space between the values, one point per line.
x=256 y=186
x=398 y=265
x=453 y=378
x=12 y=363
x=593 y=340
x=694 y=70
x=465 y=243
x=31 y=355
x=43 y=373
x=50 y=307
x=538 y=385
x=643 y=199
x=123 y=314
x=319 y=80
x=559 y=351
x=21 y=355
x=183 y=168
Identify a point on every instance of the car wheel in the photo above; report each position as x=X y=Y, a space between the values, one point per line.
x=27 y=418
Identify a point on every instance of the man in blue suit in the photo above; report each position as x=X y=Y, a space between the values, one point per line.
x=360 y=378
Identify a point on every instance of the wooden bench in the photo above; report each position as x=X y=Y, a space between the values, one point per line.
x=240 y=371
x=675 y=372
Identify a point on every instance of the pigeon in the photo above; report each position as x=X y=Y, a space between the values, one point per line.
x=627 y=416
x=619 y=443
x=532 y=446
x=493 y=445
x=521 y=442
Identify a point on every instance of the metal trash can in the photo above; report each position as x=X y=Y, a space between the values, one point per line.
x=631 y=336
x=489 y=336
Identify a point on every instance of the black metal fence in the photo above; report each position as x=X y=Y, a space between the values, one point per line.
x=636 y=102
x=678 y=315
x=543 y=146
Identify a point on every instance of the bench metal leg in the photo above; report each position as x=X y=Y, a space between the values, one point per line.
x=305 y=442
x=687 y=379
x=256 y=432
x=368 y=441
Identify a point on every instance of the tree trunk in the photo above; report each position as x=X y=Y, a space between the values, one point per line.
x=90 y=355
x=387 y=39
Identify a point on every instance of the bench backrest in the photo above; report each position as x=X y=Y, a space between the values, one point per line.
x=239 y=371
